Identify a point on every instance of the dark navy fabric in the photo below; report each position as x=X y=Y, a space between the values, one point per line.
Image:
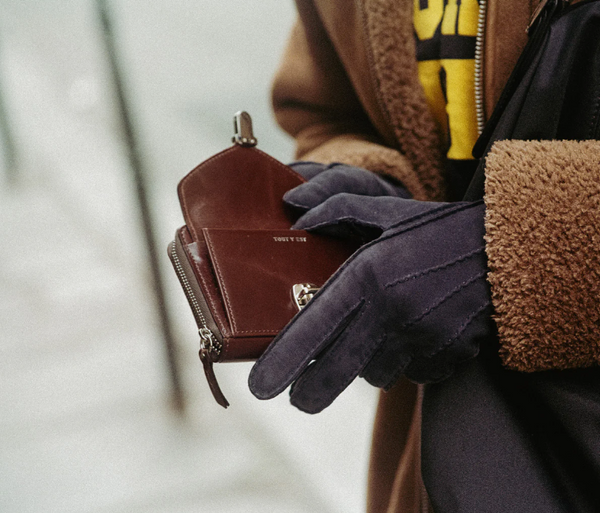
x=414 y=301
x=496 y=440
x=554 y=90
x=325 y=181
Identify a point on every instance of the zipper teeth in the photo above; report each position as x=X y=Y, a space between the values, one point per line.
x=479 y=65
x=215 y=346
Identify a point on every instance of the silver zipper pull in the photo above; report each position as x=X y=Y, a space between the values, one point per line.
x=208 y=354
x=242 y=126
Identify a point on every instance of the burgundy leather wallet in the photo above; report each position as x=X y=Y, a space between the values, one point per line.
x=244 y=272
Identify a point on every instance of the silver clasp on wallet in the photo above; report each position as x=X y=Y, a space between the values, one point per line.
x=303 y=293
x=242 y=126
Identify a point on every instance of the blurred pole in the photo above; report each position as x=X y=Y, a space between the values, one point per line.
x=139 y=175
x=8 y=142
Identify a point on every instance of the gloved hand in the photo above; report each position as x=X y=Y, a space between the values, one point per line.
x=332 y=187
x=414 y=301
x=328 y=180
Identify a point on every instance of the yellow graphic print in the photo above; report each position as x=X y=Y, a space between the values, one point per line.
x=445 y=32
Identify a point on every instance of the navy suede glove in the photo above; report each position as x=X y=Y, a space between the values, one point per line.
x=329 y=198
x=325 y=181
x=413 y=301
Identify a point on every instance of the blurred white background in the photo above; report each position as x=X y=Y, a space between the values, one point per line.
x=86 y=424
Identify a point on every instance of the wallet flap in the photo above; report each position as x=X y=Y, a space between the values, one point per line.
x=257 y=270
x=239 y=187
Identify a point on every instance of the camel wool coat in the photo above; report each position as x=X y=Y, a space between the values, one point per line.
x=348 y=91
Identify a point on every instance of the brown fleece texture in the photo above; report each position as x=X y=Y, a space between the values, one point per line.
x=348 y=85
x=393 y=59
x=543 y=246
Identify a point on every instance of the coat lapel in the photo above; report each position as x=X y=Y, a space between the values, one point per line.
x=505 y=38
x=390 y=46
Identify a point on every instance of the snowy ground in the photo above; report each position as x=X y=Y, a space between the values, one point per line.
x=85 y=424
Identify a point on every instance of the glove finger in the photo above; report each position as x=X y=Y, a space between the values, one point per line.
x=354 y=213
x=325 y=379
x=319 y=323
x=339 y=178
x=307 y=169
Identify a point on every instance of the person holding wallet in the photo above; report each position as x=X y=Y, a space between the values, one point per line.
x=478 y=317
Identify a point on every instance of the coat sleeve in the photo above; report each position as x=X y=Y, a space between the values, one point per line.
x=543 y=245
x=314 y=101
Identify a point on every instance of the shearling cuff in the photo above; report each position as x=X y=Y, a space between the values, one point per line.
x=380 y=159
x=543 y=246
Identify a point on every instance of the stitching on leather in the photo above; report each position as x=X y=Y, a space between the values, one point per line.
x=281 y=165
x=184 y=204
x=234 y=329
x=439 y=267
x=342 y=220
x=184 y=207
x=222 y=281
x=204 y=284
x=409 y=358
x=384 y=237
x=271 y=333
x=448 y=208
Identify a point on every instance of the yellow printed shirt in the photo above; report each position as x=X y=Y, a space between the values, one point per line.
x=445 y=32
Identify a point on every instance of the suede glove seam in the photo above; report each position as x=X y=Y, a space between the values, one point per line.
x=266 y=357
x=472 y=316
x=407 y=225
x=352 y=220
x=436 y=268
x=411 y=224
x=366 y=355
x=442 y=300
x=404 y=364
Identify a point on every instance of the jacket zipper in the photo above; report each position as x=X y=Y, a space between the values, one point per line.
x=210 y=347
x=546 y=10
x=479 y=66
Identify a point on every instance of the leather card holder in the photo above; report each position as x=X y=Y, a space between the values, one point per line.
x=244 y=271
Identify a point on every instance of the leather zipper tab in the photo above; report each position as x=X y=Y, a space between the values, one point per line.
x=210 y=347
x=207 y=363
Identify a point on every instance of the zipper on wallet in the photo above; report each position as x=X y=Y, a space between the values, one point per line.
x=210 y=347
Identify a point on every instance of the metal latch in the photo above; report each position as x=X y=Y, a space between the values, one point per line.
x=303 y=293
x=242 y=126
